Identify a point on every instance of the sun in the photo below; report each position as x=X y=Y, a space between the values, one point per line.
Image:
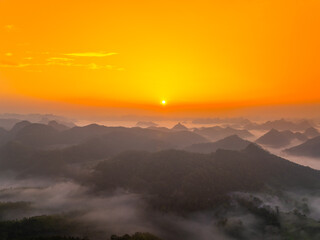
x=163 y=102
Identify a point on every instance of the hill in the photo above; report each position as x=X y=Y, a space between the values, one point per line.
x=310 y=148
x=179 y=127
x=311 y=132
x=56 y=135
x=232 y=142
x=281 y=125
x=278 y=139
x=8 y=123
x=182 y=181
x=37 y=135
x=28 y=151
x=58 y=126
x=25 y=160
x=145 y=124
x=237 y=121
x=81 y=134
x=217 y=133
x=11 y=134
x=111 y=144
x=119 y=141
x=3 y=132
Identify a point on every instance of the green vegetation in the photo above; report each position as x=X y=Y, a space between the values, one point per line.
x=136 y=236
x=182 y=182
x=40 y=227
x=53 y=228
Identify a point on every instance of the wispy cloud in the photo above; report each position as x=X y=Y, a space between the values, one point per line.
x=96 y=66
x=91 y=54
x=6 y=64
x=59 y=59
x=91 y=66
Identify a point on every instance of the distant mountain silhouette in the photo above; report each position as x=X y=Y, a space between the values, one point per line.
x=28 y=150
x=96 y=141
x=8 y=123
x=12 y=119
x=311 y=132
x=232 y=142
x=20 y=125
x=37 y=135
x=164 y=129
x=10 y=135
x=146 y=124
x=181 y=139
x=280 y=125
x=130 y=139
x=240 y=121
x=47 y=120
x=3 y=135
x=77 y=135
x=178 y=139
x=217 y=133
x=310 y=148
x=33 y=134
x=278 y=139
x=3 y=132
x=183 y=181
x=57 y=126
x=111 y=144
x=179 y=127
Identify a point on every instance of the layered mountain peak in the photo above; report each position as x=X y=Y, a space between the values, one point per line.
x=57 y=126
x=233 y=142
x=253 y=148
x=278 y=139
x=179 y=127
x=20 y=125
x=311 y=132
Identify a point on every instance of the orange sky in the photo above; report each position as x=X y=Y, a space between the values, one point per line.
x=129 y=55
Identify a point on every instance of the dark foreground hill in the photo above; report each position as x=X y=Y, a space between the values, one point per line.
x=310 y=148
x=232 y=142
x=182 y=181
x=57 y=227
x=25 y=160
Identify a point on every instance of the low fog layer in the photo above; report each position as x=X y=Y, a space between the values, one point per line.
x=124 y=212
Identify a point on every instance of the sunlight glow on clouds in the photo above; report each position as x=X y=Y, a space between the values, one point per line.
x=59 y=59
x=38 y=61
x=63 y=63
x=90 y=54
